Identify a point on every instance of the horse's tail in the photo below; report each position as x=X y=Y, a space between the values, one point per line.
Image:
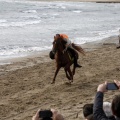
x=78 y=48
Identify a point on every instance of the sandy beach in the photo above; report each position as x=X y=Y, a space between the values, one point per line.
x=25 y=85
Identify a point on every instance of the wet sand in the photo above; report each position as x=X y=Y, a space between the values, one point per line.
x=25 y=85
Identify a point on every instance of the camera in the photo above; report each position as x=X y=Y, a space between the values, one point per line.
x=45 y=114
x=112 y=86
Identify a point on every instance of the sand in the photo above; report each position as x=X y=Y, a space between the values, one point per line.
x=25 y=85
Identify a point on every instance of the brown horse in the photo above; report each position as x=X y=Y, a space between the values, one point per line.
x=64 y=59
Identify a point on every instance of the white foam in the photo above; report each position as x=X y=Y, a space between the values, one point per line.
x=19 y=24
x=55 y=14
x=77 y=11
x=109 y=32
x=99 y=36
x=3 y=20
x=16 y=50
x=30 y=11
x=63 y=7
x=31 y=17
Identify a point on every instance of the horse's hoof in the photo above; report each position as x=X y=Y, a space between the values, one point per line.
x=71 y=81
x=69 y=78
x=52 y=82
x=68 y=83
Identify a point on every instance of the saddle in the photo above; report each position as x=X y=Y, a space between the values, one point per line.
x=71 y=57
x=72 y=53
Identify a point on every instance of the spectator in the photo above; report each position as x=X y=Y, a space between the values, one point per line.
x=119 y=40
x=98 y=112
x=88 y=111
x=56 y=115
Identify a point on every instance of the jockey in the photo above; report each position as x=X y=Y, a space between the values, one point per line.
x=65 y=39
x=68 y=46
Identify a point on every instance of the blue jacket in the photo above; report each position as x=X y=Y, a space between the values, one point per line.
x=98 y=112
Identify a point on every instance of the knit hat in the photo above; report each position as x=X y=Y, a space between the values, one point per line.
x=107 y=109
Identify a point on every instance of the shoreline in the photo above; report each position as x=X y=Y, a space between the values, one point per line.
x=87 y=46
x=112 y=40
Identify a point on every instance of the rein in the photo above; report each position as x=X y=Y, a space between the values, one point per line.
x=58 y=46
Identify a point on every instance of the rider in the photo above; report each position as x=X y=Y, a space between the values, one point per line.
x=68 y=45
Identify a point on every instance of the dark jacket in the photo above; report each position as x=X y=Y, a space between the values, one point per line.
x=98 y=112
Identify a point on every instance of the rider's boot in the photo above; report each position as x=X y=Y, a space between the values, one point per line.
x=75 y=62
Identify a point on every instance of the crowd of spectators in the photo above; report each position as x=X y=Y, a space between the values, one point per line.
x=98 y=110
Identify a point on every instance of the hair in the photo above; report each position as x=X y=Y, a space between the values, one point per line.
x=58 y=35
x=116 y=106
x=90 y=117
x=87 y=110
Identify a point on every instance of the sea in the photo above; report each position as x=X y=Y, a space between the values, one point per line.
x=28 y=27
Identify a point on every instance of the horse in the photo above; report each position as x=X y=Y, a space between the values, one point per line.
x=64 y=59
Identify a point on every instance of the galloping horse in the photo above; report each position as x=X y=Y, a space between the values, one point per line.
x=64 y=59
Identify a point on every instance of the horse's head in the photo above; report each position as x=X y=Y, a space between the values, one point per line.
x=57 y=45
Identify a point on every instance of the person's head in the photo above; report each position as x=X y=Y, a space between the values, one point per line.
x=88 y=111
x=107 y=109
x=116 y=106
x=116 y=100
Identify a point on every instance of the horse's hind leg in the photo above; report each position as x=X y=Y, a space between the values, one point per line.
x=70 y=73
x=73 y=70
x=69 y=78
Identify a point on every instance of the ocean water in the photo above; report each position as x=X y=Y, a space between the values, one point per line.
x=27 y=27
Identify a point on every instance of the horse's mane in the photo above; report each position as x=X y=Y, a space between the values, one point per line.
x=62 y=42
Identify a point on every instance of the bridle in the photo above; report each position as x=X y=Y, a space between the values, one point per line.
x=56 y=45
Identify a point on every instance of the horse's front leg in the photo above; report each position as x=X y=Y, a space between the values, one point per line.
x=70 y=73
x=56 y=72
